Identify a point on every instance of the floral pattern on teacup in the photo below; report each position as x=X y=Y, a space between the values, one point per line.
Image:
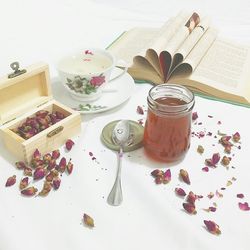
x=83 y=85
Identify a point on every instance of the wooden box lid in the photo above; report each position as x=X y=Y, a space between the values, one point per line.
x=25 y=91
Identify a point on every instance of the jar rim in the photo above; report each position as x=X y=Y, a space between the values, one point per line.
x=169 y=89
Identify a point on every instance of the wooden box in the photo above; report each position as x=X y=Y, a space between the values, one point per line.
x=21 y=97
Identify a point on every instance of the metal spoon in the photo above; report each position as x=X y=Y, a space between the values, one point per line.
x=122 y=136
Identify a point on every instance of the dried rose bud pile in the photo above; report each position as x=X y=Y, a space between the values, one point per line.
x=47 y=167
x=34 y=125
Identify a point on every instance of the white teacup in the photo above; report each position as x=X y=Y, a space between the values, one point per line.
x=85 y=74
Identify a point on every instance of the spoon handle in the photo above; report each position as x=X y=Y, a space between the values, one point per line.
x=115 y=195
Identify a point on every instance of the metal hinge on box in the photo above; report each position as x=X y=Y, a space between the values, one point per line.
x=17 y=71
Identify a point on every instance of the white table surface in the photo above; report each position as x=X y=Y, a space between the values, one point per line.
x=151 y=216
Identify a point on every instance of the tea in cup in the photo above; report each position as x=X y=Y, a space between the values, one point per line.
x=85 y=74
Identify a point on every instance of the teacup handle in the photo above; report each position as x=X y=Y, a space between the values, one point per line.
x=121 y=65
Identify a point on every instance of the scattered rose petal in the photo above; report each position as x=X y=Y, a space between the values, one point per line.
x=218 y=194
x=236 y=137
x=10 y=181
x=210 y=195
x=226 y=160
x=180 y=192
x=88 y=52
x=210 y=209
x=241 y=196
x=233 y=179
x=37 y=154
x=213 y=161
x=190 y=208
x=157 y=172
x=39 y=173
x=140 y=110
x=223 y=188
x=88 y=221
x=205 y=169
x=20 y=165
x=229 y=183
x=46 y=189
x=210 y=116
x=244 y=206
x=159 y=180
x=56 y=183
x=194 y=116
x=200 y=149
x=212 y=227
x=184 y=176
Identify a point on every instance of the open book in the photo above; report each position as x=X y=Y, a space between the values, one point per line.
x=186 y=50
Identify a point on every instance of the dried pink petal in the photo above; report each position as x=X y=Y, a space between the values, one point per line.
x=244 y=206
x=39 y=173
x=159 y=180
x=212 y=209
x=27 y=171
x=184 y=176
x=24 y=183
x=10 y=181
x=29 y=191
x=56 y=183
x=229 y=183
x=212 y=227
x=140 y=110
x=236 y=137
x=69 y=144
x=190 y=208
x=210 y=195
x=218 y=194
x=200 y=149
x=88 y=221
x=241 y=196
x=194 y=116
x=167 y=176
x=180 y=192
x=205 y=169
x=227 y=149
x=55 y=154
x=226 y=160
x=215 y=158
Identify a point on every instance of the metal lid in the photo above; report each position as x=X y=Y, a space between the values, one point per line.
x=106 y=136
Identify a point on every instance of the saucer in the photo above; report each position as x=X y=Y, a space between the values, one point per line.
x=115 y=93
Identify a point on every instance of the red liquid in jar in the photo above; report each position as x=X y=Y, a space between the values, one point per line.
x=167 y=138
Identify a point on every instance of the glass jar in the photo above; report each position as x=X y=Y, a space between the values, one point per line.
x=168 y=125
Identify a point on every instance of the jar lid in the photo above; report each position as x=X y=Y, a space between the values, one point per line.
x=106 y=136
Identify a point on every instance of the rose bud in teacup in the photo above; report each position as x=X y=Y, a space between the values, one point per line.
x=86 y=73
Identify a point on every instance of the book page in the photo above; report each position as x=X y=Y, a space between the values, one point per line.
x=131 y=42
x=226 y=67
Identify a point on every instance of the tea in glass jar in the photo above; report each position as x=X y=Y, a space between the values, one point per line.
x=168 y=125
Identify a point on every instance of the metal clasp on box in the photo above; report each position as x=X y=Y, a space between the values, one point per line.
x=17 y=71
x=55 y=131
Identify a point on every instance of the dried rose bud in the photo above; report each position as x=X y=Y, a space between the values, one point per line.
x=49 y=177
x=51 y=164
x=159 y=180
x=56 y=183
x=20 y=165
x=29 y=191
x=42 y=113
x=10 y=181
x=194 y=116
x=59 y=115
x=39 y=173
x=62 y=165
x=55 y=172
x=244 y=206
x=167 y=176
x=180 y=192
x=24 y=183
x=191 y=198
x=184 y=176
x=213 y=161
x=47 y=158
x=55 y=154
x=46 y=189
x=140 y=110
x=69 y=167
x=190 y=208
x=212 y=227
x=36 y=163
x=157 y=172
x=88 y=221
x=225 y=140
x=200 y=149
x=236 y=137
x=69 y=144
x=225 y=160
x=37 y=154
x=27 y=171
